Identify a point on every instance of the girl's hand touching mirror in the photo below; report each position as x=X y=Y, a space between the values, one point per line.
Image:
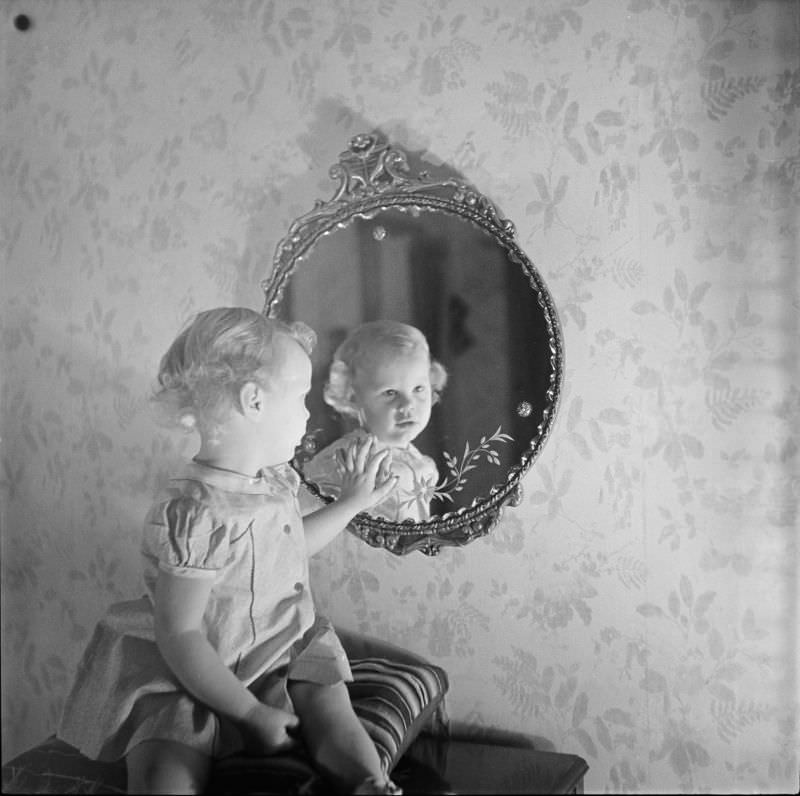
x=366 y=475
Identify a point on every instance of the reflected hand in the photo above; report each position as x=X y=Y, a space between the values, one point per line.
x=366 y=475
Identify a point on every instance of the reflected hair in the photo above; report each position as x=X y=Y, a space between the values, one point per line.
x=365 y=345
x=214 y=356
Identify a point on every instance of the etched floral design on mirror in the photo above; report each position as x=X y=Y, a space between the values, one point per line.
x=401 y=245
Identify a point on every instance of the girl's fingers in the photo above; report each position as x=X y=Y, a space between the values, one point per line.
x=365 y=449
x=344 y=458
x=384 y=488
x=354 y=456
x=384 y=479
x=385 y=471
x=362 y=460
x=378 y=463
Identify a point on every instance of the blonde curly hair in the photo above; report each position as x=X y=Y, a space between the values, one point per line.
x=214 y=356
x=367 y=344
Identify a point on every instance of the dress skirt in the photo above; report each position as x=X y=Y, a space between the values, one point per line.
x=125 y=692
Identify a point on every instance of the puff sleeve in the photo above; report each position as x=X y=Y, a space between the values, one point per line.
x=187 y=538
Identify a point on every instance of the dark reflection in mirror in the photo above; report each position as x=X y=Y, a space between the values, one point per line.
x=452 y=280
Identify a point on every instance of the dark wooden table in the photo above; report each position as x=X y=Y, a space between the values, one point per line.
x=465 y=766
x=432 y=765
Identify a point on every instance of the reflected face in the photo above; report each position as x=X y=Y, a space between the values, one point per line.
x=394 y=396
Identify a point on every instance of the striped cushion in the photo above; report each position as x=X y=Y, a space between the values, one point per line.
x=395 y=701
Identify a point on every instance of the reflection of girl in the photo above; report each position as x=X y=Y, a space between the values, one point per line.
x=225 y=651
x=383 y=376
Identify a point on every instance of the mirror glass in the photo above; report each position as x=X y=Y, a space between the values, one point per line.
x=397 y=245
x=450 y=279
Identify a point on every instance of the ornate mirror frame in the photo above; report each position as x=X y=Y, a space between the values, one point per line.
x=375 y=176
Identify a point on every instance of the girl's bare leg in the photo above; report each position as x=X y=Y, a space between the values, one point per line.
x=336 y=739
x=166 y=767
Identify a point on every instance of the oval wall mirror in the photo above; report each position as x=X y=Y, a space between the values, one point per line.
x=393 y=244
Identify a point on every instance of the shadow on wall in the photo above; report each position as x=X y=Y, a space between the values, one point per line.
x=329 y=131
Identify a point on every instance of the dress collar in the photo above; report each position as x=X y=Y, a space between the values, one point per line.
x=270 y=479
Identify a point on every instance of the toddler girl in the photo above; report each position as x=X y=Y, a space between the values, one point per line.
x=224 y=653
x=383 y=376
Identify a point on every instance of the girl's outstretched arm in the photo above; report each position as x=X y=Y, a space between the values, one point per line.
x=180 y=602
x=365 y=481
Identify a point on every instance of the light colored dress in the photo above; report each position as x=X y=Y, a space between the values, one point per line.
x=417 y=478
x=246 y=536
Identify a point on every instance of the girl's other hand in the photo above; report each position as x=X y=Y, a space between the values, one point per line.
x=366 y=475
x=268 y=730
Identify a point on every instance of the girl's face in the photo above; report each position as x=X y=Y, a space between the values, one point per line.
x=283 y=424
x=394 y=397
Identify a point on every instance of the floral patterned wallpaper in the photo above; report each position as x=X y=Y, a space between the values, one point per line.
x=640 y=607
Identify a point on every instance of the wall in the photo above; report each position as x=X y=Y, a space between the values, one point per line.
x=640 y=607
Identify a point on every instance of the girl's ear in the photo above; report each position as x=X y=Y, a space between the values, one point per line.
x=251 y=399
x=352 y=406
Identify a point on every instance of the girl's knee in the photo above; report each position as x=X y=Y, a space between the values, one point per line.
x=336 y=739
x=326 y=713
x=166 y=767
x=319 y=698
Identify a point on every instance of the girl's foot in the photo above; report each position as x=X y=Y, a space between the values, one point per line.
x=376 y=785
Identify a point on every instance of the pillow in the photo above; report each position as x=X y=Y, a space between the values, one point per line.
x=395 y=701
